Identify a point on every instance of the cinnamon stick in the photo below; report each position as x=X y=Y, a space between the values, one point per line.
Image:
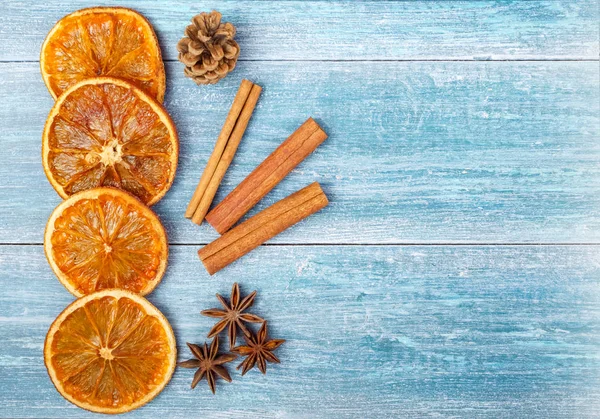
x=263 y=226
x=232 y=117
x=227 y=156
x=268 y=174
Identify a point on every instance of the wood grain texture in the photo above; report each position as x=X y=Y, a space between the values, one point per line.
x=417 y=152
x=372 y=331
x=430 y=142
x=348 y=30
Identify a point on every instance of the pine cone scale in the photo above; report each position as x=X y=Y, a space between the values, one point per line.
x=216 y=51
x=230 y=50
x=191 y=31
x=196 y=48
x=187 y=59
x=227 y=31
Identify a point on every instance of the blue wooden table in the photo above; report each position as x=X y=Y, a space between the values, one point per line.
x=456 y=271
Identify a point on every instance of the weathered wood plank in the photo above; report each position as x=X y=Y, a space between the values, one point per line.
x=501 y=331
x=348 y=30
x=418 y=152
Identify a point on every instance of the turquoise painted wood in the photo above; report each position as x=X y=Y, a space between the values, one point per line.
x=419 y=152
x=348 y=30
x=455 y=272
x=372 y=331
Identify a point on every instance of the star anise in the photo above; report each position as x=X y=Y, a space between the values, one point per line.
x=258 y=351
x=233 y=316
x=208 y=363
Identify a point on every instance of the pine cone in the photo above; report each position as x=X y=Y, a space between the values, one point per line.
x=208 y=49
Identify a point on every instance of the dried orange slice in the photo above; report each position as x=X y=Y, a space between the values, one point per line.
x=110 y=352
x=103 y=41
x=105 y=238
x=106 y=132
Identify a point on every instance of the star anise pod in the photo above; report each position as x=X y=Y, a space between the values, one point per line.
x=258 y=351
x=233 y=316
x=208 y=363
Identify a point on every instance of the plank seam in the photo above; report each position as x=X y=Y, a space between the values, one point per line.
x=406 y=60
x=439 y=244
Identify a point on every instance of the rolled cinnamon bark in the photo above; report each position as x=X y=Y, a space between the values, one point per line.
x=268 y=174
x=265 y=225
x=228 y=153
x=213 y=161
